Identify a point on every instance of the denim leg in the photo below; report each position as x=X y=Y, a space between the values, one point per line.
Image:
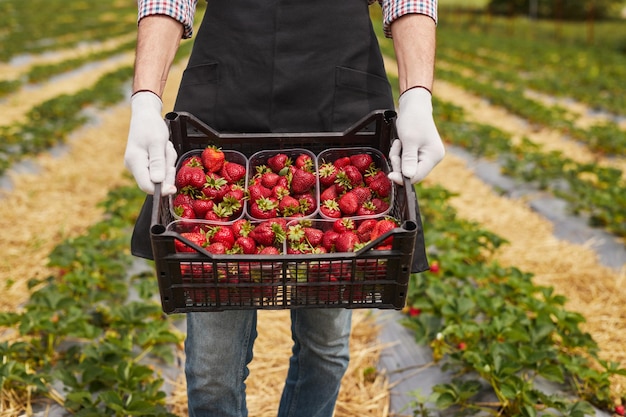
x=218 y=350
x=319 y=360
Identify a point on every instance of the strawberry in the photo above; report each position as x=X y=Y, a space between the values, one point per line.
x=348 y=177
x=269 y=250
x=343 y=225
x=194 y=237
x=329 y=239
x=362 y=161
x=382 y=227
x=215 y=187
x=242 y=227
x=349 y=203
x=185 y=211
x=327 y=174
x=367 y=209
x=364 y=230
x=305 y=162
x=278 y=162
x=268 y=233
x=329 y=193
x=269 y=179
x=288 y=206
x=342 y=162
x=217 y=248
x=346 y=241
x=182 y=198
x=302 y=181
x=264 y=208
x=330 y=208
x=313 y=236
x=380 y=204
x=212 y=158
x=245 y=245
x=201 y=205
x=373 y=174
x=364 y=194
x=223 y=234
x=190 y=176
x=295 y=234
x=381 y=186
x=257 y=191
x=620 y=410
x=232 y=171
x=308 y=202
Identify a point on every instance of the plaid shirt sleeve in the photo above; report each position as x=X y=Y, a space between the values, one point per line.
x=393 y=9
x=181 y=10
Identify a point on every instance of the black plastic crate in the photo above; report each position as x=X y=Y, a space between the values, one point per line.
x=369 y=278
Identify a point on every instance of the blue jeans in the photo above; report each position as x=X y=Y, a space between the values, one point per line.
x=219 y=348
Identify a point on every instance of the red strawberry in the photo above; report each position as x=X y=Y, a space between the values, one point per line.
x=381 y=186
x=313 y=236
x=367 y=209
x=269 y=250
x=364 y=231
x=223 y=234
x=278 y=162
x=348 y=177
x=349 y=203
x=382 y=227
x=185 y=211
x=329 y=193
x=327 y=174
x=190 y=176
x=343 y=225
x=232 y=171
x=364 y=194
x=373 y=174
x=302 y=181
x=182 y=198
x=194 y=237
x=257 y=191
x=288 y=206
x=201 y=205
x=345 y=241
x=342 y=162
x=269 y=179
x=308 y=202
x=212 y=158
x=242 y=227
x=264 y=208
x=329 y=239
x=245 y=245
x=380 y=204
x=268 y=233
x=215 y=187
x=362 y=161
x=330 y=208
x=305 y=162
x=217 y=248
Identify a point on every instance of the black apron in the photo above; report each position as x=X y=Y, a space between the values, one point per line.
x=282 y=66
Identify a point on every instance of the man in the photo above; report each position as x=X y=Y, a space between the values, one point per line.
x=279 y=66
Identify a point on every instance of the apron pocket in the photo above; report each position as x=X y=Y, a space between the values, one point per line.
x=358 y=93
x=198 y=91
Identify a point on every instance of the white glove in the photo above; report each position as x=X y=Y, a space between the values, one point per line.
x=419 y=139
x=150 y=155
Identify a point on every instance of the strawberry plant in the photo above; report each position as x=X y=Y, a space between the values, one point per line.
x=490 y=324
x=83 y=341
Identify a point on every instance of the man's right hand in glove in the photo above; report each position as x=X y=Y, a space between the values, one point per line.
x=150 y=155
